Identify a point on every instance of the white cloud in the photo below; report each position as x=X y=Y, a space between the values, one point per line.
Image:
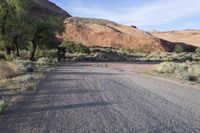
x=151 y=14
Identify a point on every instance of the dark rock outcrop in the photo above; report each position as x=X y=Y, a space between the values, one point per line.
x=40 y=8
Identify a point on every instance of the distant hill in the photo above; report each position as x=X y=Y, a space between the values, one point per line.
x=191 y=37
x=45 y=7
x=106 y=33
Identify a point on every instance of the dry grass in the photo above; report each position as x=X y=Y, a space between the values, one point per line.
x=15 y=77
x=15 y=100
x=7 y=70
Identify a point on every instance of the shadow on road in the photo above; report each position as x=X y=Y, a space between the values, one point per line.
x=55 y=108
x=56 y=91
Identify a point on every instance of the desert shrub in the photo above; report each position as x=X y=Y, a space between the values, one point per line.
x=30 y=69
x=10 y=57
x=185 y=71
x=102 y=56
x=186 y=57
x=40 y=53
x=181 y=57
x=154 y=56
x=197 y=50
x=3 y=105
x=7 y=70
x=178 y=49
x=165 y=67
x=46 y=62
x=195 y=57
x=21 y=65
x=196 y=69
x=80 y=48
x=43 y=61
x=109 y=56
x=79 y=58
x=187 y=76
x=24 y=55
x=22 y=82
x=72 y=47
x=137 y=53
x=131 y=51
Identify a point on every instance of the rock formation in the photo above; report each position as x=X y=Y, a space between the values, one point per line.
x=106 y=33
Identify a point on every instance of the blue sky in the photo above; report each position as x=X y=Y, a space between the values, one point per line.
x=159 y=15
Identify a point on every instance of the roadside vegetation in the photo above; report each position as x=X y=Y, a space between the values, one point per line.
x=189 y=71
x=27 y=48
x=18 y=76
x=178 y=64
x=79 y=52
x=184 y=66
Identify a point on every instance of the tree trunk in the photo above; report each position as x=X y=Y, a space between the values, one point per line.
x=35 y=43
x=32 y=54
x=17 y=50
x=16 y=43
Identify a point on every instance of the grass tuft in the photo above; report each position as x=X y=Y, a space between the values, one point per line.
x=3 y=105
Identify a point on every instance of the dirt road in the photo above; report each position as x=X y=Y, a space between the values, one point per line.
x=94 y=97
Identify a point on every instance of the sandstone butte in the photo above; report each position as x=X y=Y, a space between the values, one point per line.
x=105 y=33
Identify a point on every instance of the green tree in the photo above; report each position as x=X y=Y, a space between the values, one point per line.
x=10 y=12
x=178 y=49
x=19 y=33
x=44 y=30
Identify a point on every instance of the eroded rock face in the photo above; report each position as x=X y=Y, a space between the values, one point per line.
x=45 y=7
x=191 y=37
x=105 y=33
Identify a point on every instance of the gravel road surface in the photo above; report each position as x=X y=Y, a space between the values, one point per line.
x=94 y=97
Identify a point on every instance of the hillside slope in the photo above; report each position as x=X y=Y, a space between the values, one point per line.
x=106 y=33
x=45 y=7
x=191 y=37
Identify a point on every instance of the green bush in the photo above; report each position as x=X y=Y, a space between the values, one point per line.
x=52 y=53
x=3 y=105
x=10 y=57
x=197 y=50
x=72 y=47
x=21 y=65
x=30 y=69
x=46 y=62
x=24 y=55
x=109 y=56
x=178 y=49
x=165 y=67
